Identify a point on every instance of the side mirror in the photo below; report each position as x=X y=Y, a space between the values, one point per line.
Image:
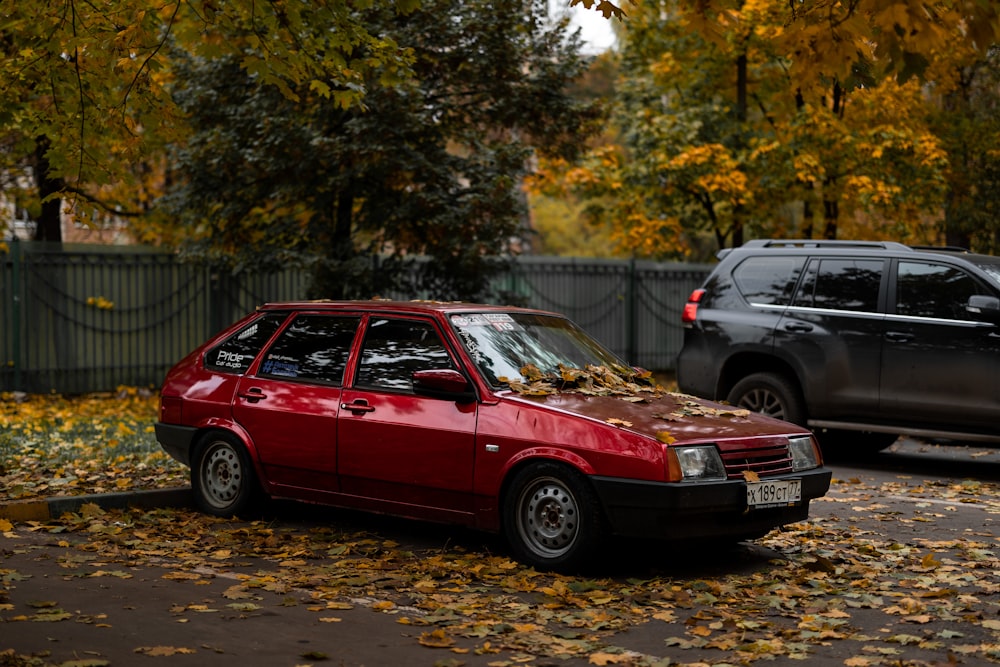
x=985 y=308
x=446 y=384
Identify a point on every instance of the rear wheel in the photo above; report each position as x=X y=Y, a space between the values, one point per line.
x=222 y=476
x=770 y=394
x=552 y=518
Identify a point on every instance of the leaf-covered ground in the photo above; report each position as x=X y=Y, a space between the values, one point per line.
x=51 y=445
x=862 y=583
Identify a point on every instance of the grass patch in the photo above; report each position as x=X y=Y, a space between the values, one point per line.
x=98 y=443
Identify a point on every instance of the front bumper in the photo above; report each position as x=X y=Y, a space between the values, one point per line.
x=176 y=440
x=699 y=510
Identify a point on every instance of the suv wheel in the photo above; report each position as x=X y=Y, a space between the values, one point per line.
x=770 y=394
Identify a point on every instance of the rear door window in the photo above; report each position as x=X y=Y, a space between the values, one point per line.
x=236 y=353
x=768 y=280
x=841 y=284
x=313 y=348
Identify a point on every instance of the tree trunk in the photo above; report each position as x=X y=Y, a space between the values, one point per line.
x=334 y=276
x=48 y=226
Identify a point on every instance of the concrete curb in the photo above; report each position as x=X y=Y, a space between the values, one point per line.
x=44 y=509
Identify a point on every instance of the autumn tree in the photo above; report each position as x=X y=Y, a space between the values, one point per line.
x=724 y=133
x=85 y=86
x=965 y=114
x=430 y=167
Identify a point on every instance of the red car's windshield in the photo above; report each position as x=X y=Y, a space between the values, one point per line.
x=501 y=344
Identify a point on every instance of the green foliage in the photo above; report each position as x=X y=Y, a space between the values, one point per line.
x=428 y=167
x=563 y=231
x=90 y=82
x=965 y=119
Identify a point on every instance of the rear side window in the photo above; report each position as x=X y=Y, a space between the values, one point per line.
x=236 y=353
x=394 y=349
x=768 y=280
x=933 y=290
x=841 y=284
x=314 y=348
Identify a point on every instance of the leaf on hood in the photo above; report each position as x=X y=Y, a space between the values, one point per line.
x=531 y=373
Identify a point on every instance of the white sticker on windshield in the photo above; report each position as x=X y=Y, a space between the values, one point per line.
x=469 y=320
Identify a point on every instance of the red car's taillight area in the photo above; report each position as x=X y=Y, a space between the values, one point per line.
x=690 y=313
x=170 y=409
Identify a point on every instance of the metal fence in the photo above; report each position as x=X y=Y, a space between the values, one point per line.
x=92 y=318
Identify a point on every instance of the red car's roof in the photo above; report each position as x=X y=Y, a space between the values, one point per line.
x=398 y=306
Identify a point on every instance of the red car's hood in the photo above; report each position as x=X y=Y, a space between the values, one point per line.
x=668 y=417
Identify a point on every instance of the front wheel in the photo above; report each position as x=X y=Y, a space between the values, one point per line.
x=552 y=518
x=222 y=476
x=770 y=394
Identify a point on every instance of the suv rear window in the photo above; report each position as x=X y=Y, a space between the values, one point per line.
x=768 y=280
x=841 y=284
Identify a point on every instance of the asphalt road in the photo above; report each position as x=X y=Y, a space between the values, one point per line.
x=897 y=566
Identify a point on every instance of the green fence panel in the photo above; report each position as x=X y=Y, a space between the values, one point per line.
x=77 y=319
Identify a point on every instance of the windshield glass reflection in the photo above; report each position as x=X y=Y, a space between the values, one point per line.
x=501 y=344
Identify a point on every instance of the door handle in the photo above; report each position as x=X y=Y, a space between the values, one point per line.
x=898 y=337
x=253 y=394
x=798 y=327
x=357 y=407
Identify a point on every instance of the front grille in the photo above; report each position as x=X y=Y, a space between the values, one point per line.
x=765 y=461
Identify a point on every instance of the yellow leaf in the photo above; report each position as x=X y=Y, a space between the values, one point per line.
x=751 y=476
x=6 y=526
x=666 y=438
x=930 y=562
x=436 y=639
x=618 y=422
x=608 y=659
x=383 y=605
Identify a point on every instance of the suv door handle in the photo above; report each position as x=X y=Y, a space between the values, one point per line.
x=358 y=406
x=898 y=336
x=253 y=394
x=798 y=327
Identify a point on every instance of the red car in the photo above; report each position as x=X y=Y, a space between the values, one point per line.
x=501 y=419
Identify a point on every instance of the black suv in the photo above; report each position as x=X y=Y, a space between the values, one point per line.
x=860 y=341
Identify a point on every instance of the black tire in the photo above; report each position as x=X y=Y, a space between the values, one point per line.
x=552 y=518
x=222 y=476
x=770 y=394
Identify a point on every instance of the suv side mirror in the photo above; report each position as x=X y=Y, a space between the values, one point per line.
x=986 y=308
x=445 y=383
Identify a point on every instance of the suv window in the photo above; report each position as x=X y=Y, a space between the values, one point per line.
x=236 y=353
x=924 y=289
x=314 y=348
x=394 y=349
x=768 y=280
x=841 y=284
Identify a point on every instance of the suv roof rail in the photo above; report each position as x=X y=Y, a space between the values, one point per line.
x=942 y=248
x=823 y=243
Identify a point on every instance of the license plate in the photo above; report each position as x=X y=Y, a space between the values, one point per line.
x=774 y=494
